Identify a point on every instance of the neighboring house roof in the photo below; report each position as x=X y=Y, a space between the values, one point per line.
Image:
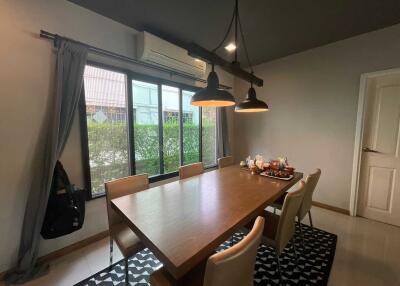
x=108 y=89
x=104 y=87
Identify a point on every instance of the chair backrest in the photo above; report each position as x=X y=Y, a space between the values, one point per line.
x=121 y=187
x=225 y=162
x=311 y=183
x=235 y=265
x=191 y=170
x=287 y=220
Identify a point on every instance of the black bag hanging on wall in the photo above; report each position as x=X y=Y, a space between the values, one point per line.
x=65 y=211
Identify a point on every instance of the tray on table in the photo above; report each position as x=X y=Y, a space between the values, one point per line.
x=279 y=178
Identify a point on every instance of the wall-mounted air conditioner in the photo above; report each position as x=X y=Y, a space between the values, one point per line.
x=154 y=50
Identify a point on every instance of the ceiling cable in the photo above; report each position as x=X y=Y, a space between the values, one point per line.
x=238 y=26
x=244 y=44
x=227 y=32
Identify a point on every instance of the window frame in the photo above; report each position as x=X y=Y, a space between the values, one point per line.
x=130 y=76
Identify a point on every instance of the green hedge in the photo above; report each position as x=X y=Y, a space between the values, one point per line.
x=108 y=149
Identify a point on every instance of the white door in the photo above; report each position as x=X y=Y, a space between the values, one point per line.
x=379 y=193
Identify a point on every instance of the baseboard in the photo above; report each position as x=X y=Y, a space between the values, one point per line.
x=331 y=208
x=68 y=249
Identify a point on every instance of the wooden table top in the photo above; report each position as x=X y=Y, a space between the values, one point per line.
x=184 y=221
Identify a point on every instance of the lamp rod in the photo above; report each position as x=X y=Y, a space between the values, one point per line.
x=232 y=68
x=199 y=52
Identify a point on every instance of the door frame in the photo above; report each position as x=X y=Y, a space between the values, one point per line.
x=360 y=133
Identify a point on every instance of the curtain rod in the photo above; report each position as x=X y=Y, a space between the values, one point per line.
x=102 y=52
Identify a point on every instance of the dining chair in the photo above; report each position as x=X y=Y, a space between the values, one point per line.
x=191 y=170
x=125 y=238
x=233 y=266
x=225 y=162
x=305 y=207
x=279 y=229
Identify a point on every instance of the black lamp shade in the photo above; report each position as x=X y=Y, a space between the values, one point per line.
x=251 y=103
x=212 y=95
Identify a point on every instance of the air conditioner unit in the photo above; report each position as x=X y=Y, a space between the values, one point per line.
x=154 y=50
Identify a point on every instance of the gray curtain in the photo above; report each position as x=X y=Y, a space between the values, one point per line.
x=222 y=133
x=71 y=60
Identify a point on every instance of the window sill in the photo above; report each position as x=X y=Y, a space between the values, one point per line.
x=159 y=178
x=163 y=177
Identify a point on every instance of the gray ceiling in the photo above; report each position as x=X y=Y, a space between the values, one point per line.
x=273 y=29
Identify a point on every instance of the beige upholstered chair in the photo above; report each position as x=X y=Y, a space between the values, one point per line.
x=225 y=162
x=233 y=266
x=279 y=230
x=191 y=170
x=311 y=182
x=125 y=238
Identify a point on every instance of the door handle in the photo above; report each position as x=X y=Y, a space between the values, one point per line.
x=366 y=149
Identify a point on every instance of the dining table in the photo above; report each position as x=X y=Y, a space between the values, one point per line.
x=184 y=221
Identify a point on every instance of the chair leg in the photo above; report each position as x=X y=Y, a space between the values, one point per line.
x=279 y=266
x=295 y=253
x=111 y=252
x=312 y=225
x=309 y=216
x=126 y=271
x=301 y=232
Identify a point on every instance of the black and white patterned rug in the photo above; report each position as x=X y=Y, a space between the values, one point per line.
x=314 y=263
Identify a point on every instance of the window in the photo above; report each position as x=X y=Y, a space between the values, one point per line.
x=105 y=97
x=137 y=124
x=173 y=117
x=209 y=123
x=146 y=132
x=187 y=117
x=190 y=130
x=171 y=139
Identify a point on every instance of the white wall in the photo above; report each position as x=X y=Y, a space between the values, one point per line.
x=313 y=103
x=27 y=65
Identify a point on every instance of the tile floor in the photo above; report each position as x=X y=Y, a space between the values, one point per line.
x=368 y=253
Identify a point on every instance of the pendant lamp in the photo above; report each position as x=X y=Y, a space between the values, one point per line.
x=251 y=103
x=212 y=95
